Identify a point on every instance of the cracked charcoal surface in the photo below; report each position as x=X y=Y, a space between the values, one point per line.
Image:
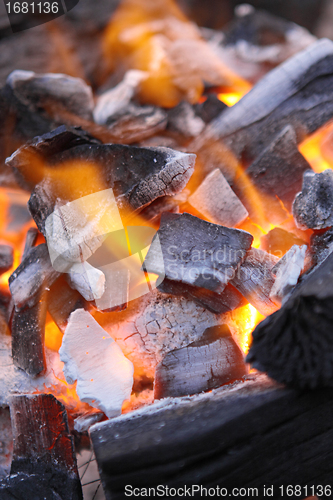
x=313 y=206
x=294 y=345
x=321 y=245
x=190 y=250
x=213 y=360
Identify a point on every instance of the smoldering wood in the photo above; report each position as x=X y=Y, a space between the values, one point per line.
x=254 y=280
x=213 y=360
x=277 y=173
x=32 y=277
x=301 y=99
x=220 y=438
x=210 y=108
x=184 y=122
x=193 y=251
x=278 y=241
x=6 y=258
x=218 y=303
x=313 y=206
x=217 y=202
x=294 y=345
x=43 y=450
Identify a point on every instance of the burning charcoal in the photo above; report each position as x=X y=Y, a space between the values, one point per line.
x=6 y=258
x=313 y=207
x=104 y=376
x=278 y=241
x=44 y=448
x=321 y=245
x=254 y=280
x=62 y=301
x=216 y=201
x=190 y=250
x=87 y=280
x=206 y=364
x=116 y=100
x=278 y=173
x=6 y=440
x=154 y=211
x=228 y=300
x=43 y=148
x=84 y=422
x=116 y=295
x=183 y=121
x=294 y=345
x=287 y=271
x=210 y=108
x=46 y=94
x=32 y=277
x=137 y=123
x=301 y=99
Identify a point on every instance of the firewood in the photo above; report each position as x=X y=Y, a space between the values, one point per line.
x=104 y=375
x=277 y=174
x=313 y=206
x=217 y=202
x=294 y=344
x=213 y=360
x=243 y=435
x=192 y=251
x=301 y=99
x=44 y=462
x=218 y=303
x=254 y=280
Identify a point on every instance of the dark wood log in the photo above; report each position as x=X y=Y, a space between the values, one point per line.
x=277 y=174
x=295 y=93
x=193 y=251
x=313 y=206
x=254 y=280
x=203 y=365
x=44 y=458
x=294 y=345
x=247 y=435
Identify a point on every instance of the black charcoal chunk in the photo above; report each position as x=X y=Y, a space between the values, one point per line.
x=218 y=303
x=254 y=280
x=277 y=173
x=313 y=206
x=183 y=121
x=62 y=301
x=210 y=108
x=192 y=251
x=296 y=93
x=6 y=258
x=294 y=345
x=32 y=277
x=206 y=364
x=321 y=245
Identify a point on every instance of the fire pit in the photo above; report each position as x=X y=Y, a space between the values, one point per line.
x=166 y=257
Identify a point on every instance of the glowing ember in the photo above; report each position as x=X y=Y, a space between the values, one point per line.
x=313 y=148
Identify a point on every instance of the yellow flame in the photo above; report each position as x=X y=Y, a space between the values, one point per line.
x=311 y=149
x=231 y=98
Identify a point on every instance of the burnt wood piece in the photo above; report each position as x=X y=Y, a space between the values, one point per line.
x=210 y=108
x=32 y=277
x=42 y=148
x=254 y=280
x=278 y=241
x=302 y=99
x=228 y=300
x=245 y=437
x=206 y=364
x=62 y=301
x=192 y=251
x=321 y=245
x=277 y=173
x=6 y=258
x=294 y=345
x=44 y=457
x=313 y=206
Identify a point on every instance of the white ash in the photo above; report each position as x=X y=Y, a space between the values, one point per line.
x=104 y=375
x=87 y=280
x=117 y=280
x=116 y=100
x=287 y=271
x=77 y=229
x=83 y=422
x=158 y=323
x=216 y=201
